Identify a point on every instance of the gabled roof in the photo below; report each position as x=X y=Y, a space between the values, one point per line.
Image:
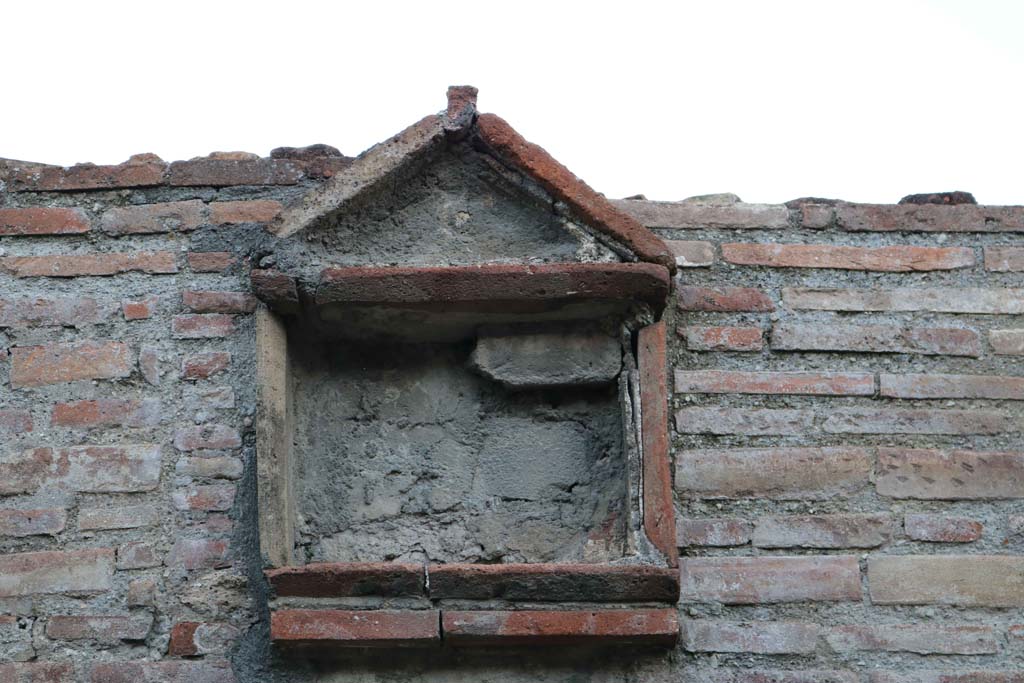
x=495 y=137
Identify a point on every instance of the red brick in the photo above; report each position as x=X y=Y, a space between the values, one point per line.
x=106 y=412
x=149 y=364
x=544 y=628
x=346 y=628
x=947 y=676
x=770 y=579
x=21 y=523
x=211 y=498
x=658 y=508
x=886 y=259
x=932 y=299
x=251 y=211
x=722 y=338
x=194 y=638
x=82 y=265
x=949 y=341
x=1004 y=259
x=745 y=421
x=99 y=627
x=725 y=299
x=25 y=472
x=518 y=288
x=757 y=637
x=922 y=639
x=205 y=365
x=942 y=528
x=279 y=291
x=816 y=216
x=137 y=555
x=71 y=571
x=932 y=474
x=15 y=421
x=216 y=467
x=89 y=177
x=172 y=671
x=553 y=582
x=90 y=469
x=1016 y=632
x=37 y=672
x=219 y=302
x=210 y=261
x=929 y=218
x=807 y=383
x=719 y=533
x=952 y=386
x=961 y=580
x=202 y=326
x=697 y=215
x=1007 y=342
x=64 y=312
x=349 y=579
x=43 y=221
x=198 y=553
x=125 y=517
x=207 y=437
x=213 y=397
x=823 y=531
x=141 y=593
x=226 y=172
x=894 y=421
x=33 y=366
x=154 y=218
x=692 y=254
x=140 y=309
x=730 y=675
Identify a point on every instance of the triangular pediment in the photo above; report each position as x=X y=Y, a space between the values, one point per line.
x=457 y=189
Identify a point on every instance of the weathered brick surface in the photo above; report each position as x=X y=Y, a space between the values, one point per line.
x=37 y=672
x=193 y=639
x=690 y=215
x=810 y=383
x=198 y=553
x=253 y=211
x=951 y=386
x=182 y=671
x=104 y=628
x=72 y=571
x=947 y=676
x=15 y=421
x=20 y=523
x=1004 y=259
x=347 y=579
x=723 y=299
x=339 y=628
x=928 y=299
x=107 y=412
x=218 y=302
x=942 y=528
x=89 y=177
x=962 y=580
x=83 y=265
x=692 y=254
x=212 y=498
x=88 y=469
x=154 y=218
x=717 y=532
x=140 y=309
x=210 y=261
x=723 y=338
x=61 y=312
x=33 y=366
x=556 y=627
x=744 y=421
x=205 y=365
x=929 y=218
x=875 y=339
x=43 y=221
x=127 y=517
x=207 y=437
x=900 y=421
x=758 y=637
x=1007 y=342
x=782 y=473
x=224 y=172
x=886 y=259
x=823 y=531
x=202 y=326
x=753 y=580
x=949 y=474
x=922 y=639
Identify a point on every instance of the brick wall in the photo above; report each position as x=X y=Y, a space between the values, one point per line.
x=849 y=469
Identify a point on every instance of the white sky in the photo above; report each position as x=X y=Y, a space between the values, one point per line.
x=770 y=99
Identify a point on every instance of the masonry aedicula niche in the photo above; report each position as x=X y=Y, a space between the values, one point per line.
x=462 y=431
